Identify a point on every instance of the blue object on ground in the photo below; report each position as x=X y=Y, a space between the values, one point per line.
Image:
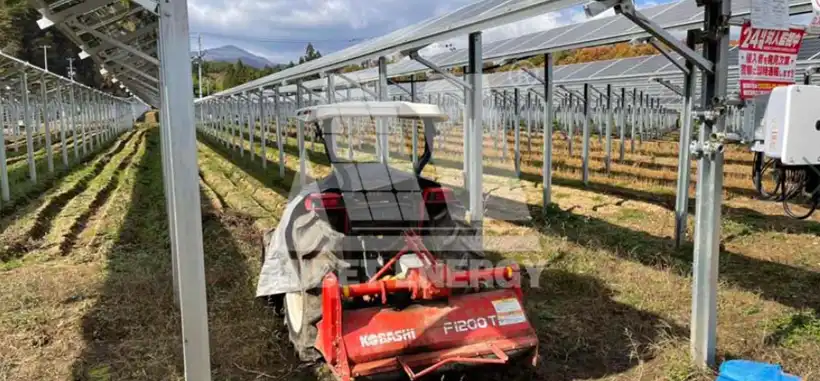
x=744 y=370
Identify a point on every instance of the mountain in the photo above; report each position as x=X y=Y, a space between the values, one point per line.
x=231 y=54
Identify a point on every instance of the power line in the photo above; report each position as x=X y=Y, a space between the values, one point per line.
x=277 y=40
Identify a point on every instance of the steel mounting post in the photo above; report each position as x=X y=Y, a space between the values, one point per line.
x=684 y=163
x=279 y=138
x=710 y=184
x=300 y=137
x=4 y=175
x=622 y=118
x=608 y=127
x=381 y=123
x=263 y=127
x=546 y=170
x=585 y=148
x=28 y=120
x=475 y=68
x=182 y=187
x=517 y=131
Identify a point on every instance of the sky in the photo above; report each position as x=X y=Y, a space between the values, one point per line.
x=279 y=30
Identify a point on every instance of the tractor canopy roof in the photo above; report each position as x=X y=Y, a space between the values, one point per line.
x=403 y=110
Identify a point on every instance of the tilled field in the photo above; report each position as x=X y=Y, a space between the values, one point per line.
x=86 y=293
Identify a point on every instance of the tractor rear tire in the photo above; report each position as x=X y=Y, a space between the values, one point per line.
x=303 y=309
x=314 y=238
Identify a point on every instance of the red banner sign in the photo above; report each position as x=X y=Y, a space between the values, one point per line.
x=768 y=59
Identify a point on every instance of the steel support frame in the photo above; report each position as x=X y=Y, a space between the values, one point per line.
x=118 y=44
x=28 y=120
x=444 y=73
x=709 y=184
x=415 y=132
x=627 y=8
x=608 y=158
x=47 y=124
x=475 y=68
x=684 y=163
x=263 y=128
x=5 y=195
x=382 y=132
x=671 y=86
x=585 y=146
x=546 y=170
x=279 y=138
x=516 y=117
x=355 y=84
x=300 y=137
x=622 y=118
x=182 y=187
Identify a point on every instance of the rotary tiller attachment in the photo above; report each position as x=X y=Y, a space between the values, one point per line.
x=439 y=327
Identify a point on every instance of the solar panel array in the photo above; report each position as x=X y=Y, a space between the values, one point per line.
x=473 y=17
x=632 y=73
x=90 y=23
x=12 y=68
x=680 y=15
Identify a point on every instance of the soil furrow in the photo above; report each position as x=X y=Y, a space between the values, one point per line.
x=99 y=199
x=45 y=217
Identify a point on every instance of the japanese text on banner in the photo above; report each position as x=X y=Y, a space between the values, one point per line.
x=767 y=59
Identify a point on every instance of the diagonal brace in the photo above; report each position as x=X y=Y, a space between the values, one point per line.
x=356 y=84
x=455 y=80
x=669 y=85
x=117 y=43
x=627 y=8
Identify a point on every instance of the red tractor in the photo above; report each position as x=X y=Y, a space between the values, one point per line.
x=376 y=269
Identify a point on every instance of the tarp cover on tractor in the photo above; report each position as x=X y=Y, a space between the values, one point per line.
x=280 y=271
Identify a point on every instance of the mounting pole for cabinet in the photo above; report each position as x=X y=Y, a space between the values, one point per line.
x=709 y=153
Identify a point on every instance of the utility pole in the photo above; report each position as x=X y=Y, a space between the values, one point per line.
x=45 y=57
x=71 y=72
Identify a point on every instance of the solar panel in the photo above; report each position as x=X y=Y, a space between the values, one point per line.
x=809 y=49
x=651 y=65
x=473 y=17
x=622 y=66
x=589 y=70
x=89 y=23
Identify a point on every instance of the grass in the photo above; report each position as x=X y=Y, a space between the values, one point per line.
x=22 y=189
x=92 y=299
